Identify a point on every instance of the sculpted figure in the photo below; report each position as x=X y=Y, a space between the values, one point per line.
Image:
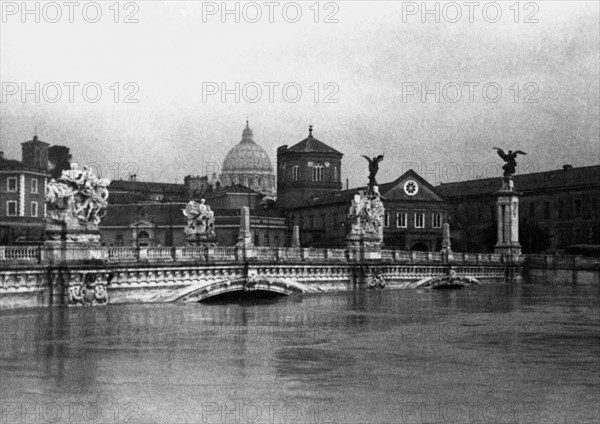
x=78 y=198
x=510 y=159
x=365 y=214
x=373 y=168
x=200 y=218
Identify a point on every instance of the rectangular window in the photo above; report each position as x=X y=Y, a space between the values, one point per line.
x=323 y=222
x=419 y=220
x=34 y=185
x=11 y=208
x=546 y=210
x=296 y=173
x=531 y=212
x=386 y=219
x=561 y=210
x=401 y=219
x=34 y=208
x=577 y=208
x=256 y=240
x=11 y=185
x=577 y=235
x=437 y=220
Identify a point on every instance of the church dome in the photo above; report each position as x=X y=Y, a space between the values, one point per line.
x=247 y=156
x=249 y=165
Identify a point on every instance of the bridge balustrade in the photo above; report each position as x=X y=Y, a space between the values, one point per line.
x=191 y=253
x=57 y=254
x=122 y=254
x=20 y=253
x=266 y=254
x=160 y=254
x=222 y=253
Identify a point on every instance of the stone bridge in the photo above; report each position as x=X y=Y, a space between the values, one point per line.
x=42 y=276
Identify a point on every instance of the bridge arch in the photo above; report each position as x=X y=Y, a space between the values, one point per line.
x=446 y=281
x=284 y=287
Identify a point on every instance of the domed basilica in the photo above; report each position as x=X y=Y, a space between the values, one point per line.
x=249 y=165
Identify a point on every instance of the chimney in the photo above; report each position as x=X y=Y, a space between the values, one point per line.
x=566 y=167
x=1 y=155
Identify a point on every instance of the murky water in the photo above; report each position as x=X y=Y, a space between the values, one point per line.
x=494 y=354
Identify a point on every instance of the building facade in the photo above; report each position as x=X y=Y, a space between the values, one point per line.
x=22 y=190
x=557 y=209
x=414 y=214
x=164 y=225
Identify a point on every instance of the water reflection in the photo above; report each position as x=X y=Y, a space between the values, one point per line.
x=525 y=352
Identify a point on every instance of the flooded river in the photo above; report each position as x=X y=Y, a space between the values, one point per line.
x=491 y=354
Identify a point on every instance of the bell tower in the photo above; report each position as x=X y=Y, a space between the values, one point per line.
x=306 y=169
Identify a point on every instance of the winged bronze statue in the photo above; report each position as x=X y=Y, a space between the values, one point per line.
x=510 y=159
x=373 y=168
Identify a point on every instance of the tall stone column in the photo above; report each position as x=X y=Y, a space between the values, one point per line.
x=507 y=204
x=296 y=236
x=245 y=236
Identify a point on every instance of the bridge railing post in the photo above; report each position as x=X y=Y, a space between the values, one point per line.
x=305 y=254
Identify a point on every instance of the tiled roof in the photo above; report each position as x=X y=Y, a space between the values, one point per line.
x=148 y=187
x=231 y=189
x=312 y=145
x=560 y=179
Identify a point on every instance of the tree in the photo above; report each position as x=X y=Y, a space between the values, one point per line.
x=60 y=160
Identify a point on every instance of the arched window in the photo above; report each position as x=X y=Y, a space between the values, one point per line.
x=335 y=173
x=318 y=172
x=296 y=173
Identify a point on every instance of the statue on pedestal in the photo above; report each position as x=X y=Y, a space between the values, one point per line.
x=509 y=167
x=507 y=207
x=200 y=222
x=373 y=169
x=75 y=204
x=365 y=217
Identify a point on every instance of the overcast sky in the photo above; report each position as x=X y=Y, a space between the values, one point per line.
x=372 y=56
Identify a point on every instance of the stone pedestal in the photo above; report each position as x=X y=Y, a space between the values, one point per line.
x=201 y=240
x=364 y=246
x=507 y=215
x=366 y=226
